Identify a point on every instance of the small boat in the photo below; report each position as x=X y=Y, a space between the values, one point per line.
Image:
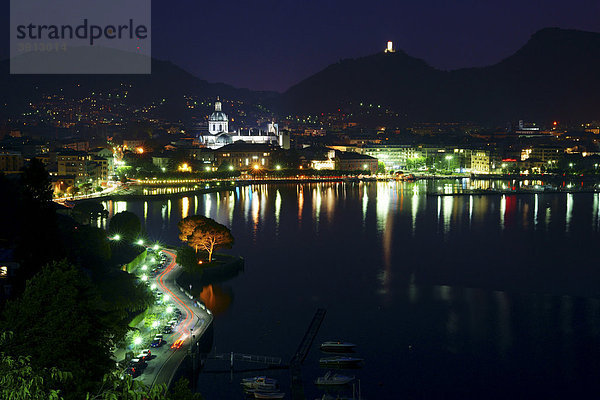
x=333 y=379
x=338 y=346
x=340 y=361
x=269 y=395
x=260 y=382
x=331 y=397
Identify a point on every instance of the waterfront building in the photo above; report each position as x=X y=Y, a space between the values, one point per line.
x=350 y=161
x=81 y=165
x=484 y=162
x=394 y=157
x=547 y=154
x=245 y=156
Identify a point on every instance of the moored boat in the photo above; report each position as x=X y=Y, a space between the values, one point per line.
x=333 y=379
x=338 y=346
x=340 y=361
x=260 y=382
x=268 y=395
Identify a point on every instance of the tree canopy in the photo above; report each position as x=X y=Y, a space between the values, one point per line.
x=187 y=225
x=87 y=211
x=126 y=224
x=60 y=322
x=207 y=235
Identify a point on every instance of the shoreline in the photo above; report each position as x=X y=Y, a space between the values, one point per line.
x=247 y=182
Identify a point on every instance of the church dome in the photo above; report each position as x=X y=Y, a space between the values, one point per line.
x=218 y=116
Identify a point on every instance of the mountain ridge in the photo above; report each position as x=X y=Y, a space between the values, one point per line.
x=532 y=83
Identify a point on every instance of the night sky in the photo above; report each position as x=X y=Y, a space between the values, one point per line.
x=273 y=44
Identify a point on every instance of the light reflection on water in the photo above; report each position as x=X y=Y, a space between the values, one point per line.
x=386 y=199
x=491 y=276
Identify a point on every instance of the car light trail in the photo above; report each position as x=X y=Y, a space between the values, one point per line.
x=184 y=328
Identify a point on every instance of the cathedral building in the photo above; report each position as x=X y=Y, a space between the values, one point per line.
x=218 y=134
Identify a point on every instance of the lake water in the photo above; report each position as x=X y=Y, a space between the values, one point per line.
x=446 y=297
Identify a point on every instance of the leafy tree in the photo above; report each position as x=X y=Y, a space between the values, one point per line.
x=209 y=236
x=36 y=184
x=188 y=225
x=87 y=211
x=126 y=224
x=188 y=259
x=115 y=388
x=58 y=322
x=20 y=381
x=181 y=391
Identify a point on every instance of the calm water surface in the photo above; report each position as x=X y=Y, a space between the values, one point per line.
x=446 y=297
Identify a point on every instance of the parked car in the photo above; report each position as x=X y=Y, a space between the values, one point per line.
x=137 y=364
x=167 y=329
x=132 y=371
x=157 y=342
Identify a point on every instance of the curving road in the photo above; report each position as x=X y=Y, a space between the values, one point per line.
x=165 y=362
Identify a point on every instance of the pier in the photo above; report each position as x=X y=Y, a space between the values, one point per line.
x=301 y=353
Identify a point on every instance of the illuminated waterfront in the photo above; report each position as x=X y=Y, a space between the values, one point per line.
x=445 y=296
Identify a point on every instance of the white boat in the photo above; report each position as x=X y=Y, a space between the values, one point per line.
x=333 y=379
x=341 y=361
x=260 y=382
x=269 y=395
x=338 y=346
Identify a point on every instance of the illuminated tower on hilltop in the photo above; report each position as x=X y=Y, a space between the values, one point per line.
x=390 y=47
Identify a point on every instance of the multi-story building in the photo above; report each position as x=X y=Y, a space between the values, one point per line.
x=394 y=157
x=245 y=156
x=484 y=162
x=547 y=154
x=10 y=162
x=350 y=161
x=72 y=162
x=82 y=166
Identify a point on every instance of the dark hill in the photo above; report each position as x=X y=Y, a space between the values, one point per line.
x=167 y=81
x=555 y=75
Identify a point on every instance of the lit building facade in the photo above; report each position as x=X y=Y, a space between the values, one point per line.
x=219 y=135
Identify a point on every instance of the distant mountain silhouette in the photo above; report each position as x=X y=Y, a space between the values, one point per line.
x=555 y=75
x=167 y=81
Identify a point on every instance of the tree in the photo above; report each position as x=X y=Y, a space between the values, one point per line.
x=209 y=236
x=59 y=321
x=36 y=184
x=188 y=225
x=87 y=211
x=126 y=224
x=20 y=381
x=115 y=388
x=181 y=391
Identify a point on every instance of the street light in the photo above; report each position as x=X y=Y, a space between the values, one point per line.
x=278 y=167
x=155 y=247
x=144 y=267
x=144 y=278
x=169 y=310
x=117 y=237
x=231 y=167
x=140 y=242
x=448 y=158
